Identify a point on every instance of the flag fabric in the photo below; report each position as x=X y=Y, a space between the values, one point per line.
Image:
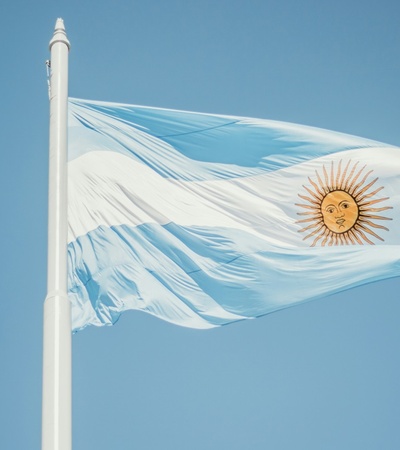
x=204 y=220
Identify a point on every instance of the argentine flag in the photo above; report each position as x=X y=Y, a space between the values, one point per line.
x=203 y=220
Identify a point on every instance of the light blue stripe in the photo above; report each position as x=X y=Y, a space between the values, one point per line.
x=194 y=146
x=154 y=267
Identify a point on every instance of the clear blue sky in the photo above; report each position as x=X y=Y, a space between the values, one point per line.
x=323 y=375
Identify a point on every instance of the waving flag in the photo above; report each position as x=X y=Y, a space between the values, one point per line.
x=203 y=220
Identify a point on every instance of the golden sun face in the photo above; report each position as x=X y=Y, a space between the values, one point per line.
x=340 y=210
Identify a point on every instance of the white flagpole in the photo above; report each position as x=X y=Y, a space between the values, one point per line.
x=56 y=400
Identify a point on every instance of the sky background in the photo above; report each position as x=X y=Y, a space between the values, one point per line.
x=322 y=375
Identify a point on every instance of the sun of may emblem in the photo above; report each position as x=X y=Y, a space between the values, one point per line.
x=341 y=207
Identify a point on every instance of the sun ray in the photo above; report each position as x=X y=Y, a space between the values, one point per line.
x=351 y=192
x=317 y=189
x=308 y=213
x=372 y=216
x=360 y=191
x=314 y=202
x=313 y=225
x=372 y=202
x=321 y=183
x=314 y=213
x=356 y=237
x=312 y=234
x=374 y=225
x=355 y=178
x=360 y=233
x=384 y=208
x=367 y=230
x=326 y=177
x=344 y=175
x=320 y=236
x=351 y=238
x=345 y=186
x=332 y=177
x=339 y=209
x=327 y=233
x=337 y=185
x=305 y=206
x=312 y=219
x=317 y=197
x=371 y=194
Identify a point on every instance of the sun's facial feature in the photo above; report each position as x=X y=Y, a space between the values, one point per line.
x=339 y=208
x=339 y=211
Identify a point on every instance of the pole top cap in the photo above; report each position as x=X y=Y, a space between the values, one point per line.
x=59 y=34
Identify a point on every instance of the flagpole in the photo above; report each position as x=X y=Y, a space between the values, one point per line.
x=56 y=400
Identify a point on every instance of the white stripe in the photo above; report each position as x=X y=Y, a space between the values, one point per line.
x=108 y=188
